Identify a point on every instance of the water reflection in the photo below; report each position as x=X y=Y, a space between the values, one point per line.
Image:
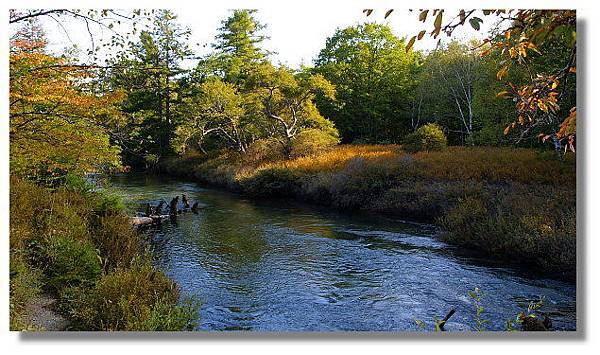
x=274 y=265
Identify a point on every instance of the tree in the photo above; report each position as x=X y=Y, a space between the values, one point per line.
x=150 y=72
x=374 y=80
x=454 y=72
x=519 y=36
x=218 y=110
x=59 y=123
x=288 y=101
x=237 y=48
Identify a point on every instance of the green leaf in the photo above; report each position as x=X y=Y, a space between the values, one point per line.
x=423 y=15
x=388 y=13
x=475 y=23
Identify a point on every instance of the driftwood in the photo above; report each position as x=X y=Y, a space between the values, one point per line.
x=173 y=205
x=442 y=323
x=155 y=216
x=158 y=209
x=148 y=221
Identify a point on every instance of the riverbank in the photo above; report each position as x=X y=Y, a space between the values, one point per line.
x=77 y=264
x=512 y=204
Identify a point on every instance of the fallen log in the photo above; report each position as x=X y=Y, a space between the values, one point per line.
x=148 y=221
x=141 y=221
x=442 y=323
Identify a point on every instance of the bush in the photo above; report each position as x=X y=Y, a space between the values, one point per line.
x=24 y=286
x=70 y=262
x=311 y=141
x=429 y=137
x=519 y=222
x=272 y=182
x=117 y=242
x=108 y=204
x=268 y=149
x=135 y=298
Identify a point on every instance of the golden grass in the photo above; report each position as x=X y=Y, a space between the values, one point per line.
x=490 y=164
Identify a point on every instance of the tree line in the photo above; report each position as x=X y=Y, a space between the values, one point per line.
x=366 y=85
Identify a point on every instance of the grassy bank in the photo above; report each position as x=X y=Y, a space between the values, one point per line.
x=514 y=204
x=77 y=246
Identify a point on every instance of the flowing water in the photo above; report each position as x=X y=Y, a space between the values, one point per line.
x=280 y=266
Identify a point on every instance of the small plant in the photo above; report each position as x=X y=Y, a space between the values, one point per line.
x=476 y=295
x=71 y=262
x=135 y=298
x=429 y=137
x=529 y=320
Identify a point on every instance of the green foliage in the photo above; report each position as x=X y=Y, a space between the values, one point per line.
x=477 y=295
x=107 y=203
x=237 y=47
x=311 y=141
x=530 y=224
x=149 y=69
x=374 y=78
x=116 y=241
x=61 y=245
x=25 y=285
x=136 y=298
x=429 y=137
x=70 y=262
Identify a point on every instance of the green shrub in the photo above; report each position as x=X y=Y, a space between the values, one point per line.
x=117 y=243
x=70 y=262
x=135 y=298
x=108 y=204
x=25 y=284
x=523 y=223
x=311 y=141
x=268 y=149
x=429 y=137
x=272 y=182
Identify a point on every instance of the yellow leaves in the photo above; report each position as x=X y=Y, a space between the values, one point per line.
x=55 y=121
x=533 y=47
x=502 y=94
x=507 y=130
x=410 y=43
x=502 y=72
x=438 y=21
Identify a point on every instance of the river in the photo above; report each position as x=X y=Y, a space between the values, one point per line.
x=272 y=265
